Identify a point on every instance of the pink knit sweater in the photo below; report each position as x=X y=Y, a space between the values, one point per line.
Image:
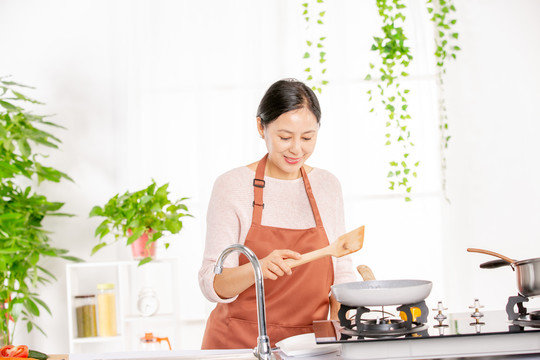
x=286 y=205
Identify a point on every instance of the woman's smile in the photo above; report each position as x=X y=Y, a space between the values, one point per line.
x=291 y=160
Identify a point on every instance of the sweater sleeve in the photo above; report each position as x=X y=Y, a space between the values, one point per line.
x=222 y=230
x=343 y=266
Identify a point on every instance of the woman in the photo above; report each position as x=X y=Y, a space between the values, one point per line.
x=273 y=208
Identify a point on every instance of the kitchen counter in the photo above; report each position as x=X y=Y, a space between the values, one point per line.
x=246 y=354
x=189 y=354
x=58 y=357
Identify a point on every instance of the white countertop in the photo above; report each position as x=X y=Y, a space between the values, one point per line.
x=240 y=354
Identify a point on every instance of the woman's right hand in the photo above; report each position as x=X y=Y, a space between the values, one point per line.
x=233 y=281
x=274 y=265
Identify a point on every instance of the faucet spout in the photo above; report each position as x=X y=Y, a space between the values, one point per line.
x=263 y=350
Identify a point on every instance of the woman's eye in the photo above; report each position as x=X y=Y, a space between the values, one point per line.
x=307 y=139
x=285 y=139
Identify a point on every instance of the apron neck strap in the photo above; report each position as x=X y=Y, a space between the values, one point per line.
x=259 y=184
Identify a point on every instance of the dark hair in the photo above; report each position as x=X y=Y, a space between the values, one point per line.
x=286 y=95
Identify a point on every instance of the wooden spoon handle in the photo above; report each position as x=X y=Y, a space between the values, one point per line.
x=310 y=256
x=492 y=253
x=344 y=245
x=365 y=272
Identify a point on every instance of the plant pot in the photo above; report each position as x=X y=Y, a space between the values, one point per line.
x=140 y=249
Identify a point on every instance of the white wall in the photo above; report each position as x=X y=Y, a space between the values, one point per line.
x=168 y=89
x=493 y=96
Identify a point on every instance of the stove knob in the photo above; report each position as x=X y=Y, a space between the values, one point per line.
x=476 y=305
x=440 y=308
x=477 y=315
x=440 y=317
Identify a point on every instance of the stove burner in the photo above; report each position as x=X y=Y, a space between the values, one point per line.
x=385 y=327
x=381 y=333
x=521 y=318
x=534 y=315
x=510 y=305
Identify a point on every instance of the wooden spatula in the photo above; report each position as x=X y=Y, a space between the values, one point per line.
x=346 y=244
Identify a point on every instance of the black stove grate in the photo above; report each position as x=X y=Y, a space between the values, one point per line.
x=362 y=327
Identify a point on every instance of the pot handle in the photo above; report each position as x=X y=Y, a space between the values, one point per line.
x=492 y=253
x=493 y=264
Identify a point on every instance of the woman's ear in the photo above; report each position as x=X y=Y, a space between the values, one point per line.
x=260 y=127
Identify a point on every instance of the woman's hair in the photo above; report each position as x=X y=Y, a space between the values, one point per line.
x=286 y=95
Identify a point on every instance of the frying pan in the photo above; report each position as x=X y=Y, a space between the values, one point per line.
x=527 y=271
x=371 y=292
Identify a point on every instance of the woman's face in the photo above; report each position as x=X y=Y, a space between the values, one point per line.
x=290 y=140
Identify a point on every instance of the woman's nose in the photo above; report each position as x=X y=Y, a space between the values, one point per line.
x=295 y=147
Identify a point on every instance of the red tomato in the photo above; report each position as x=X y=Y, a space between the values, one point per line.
x=4 y=350
x=20 y=351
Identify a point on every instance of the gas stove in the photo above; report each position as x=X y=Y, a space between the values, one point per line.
x=409 y=332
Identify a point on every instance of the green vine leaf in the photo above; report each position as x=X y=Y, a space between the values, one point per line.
x=316 y=69
x=394 y=57
x=446 y=48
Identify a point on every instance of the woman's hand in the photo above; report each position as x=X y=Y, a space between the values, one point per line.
x=274 y=265
x=232 y=281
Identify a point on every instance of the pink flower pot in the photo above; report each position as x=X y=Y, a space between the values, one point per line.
x=140 y=249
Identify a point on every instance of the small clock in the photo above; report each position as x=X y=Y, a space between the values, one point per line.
x=148 y=303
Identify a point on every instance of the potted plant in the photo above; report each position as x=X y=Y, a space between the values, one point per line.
x=24 y=241
x=142 y=217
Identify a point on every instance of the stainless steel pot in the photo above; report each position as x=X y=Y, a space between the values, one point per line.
x=527 y=271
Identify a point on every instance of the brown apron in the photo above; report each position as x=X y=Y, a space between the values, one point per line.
x=292 y=302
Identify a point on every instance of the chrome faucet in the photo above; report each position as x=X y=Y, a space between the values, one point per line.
x=263 y=350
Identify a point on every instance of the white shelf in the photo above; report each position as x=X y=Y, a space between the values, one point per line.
x=158 y=317
x=96 y=339
x=128 y=279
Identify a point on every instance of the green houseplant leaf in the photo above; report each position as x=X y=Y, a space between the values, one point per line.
x=24 y=240
x=147 y=211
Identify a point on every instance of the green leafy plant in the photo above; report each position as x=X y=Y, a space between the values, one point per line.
x=314 y=15
x=395 y=57
x=446 y=49
x=133 y=214
x=24 y=240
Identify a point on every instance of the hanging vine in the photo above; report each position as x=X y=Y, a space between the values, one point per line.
x=315 y=54
x=395 y=57
x=446 y=47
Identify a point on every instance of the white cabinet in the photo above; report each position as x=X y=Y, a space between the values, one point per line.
x=129 y=281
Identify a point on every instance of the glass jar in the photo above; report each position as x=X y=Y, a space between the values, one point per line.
x=85 y=310
x=106 y=302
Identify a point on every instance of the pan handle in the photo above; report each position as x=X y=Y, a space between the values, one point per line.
x=493 y=264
